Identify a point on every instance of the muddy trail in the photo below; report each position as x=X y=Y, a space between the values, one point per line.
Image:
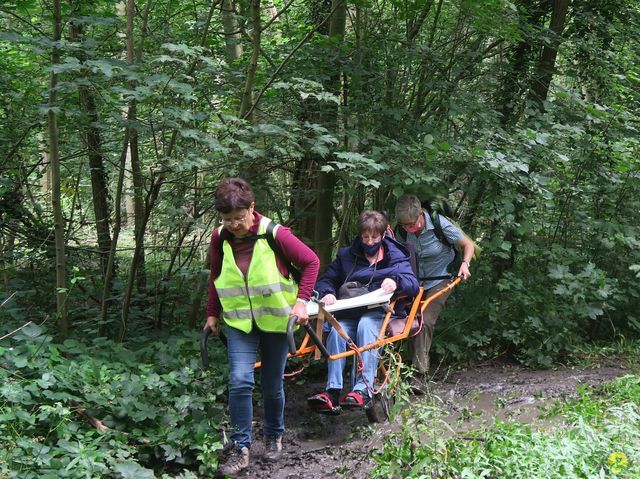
x=318 y=446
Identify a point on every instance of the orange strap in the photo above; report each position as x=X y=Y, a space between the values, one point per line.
x=334 y=322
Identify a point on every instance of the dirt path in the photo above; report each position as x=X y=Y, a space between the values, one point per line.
x=321 y=447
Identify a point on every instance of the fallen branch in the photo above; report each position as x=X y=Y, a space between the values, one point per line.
x=46 y=318
x=97 y=423
x=6 y=300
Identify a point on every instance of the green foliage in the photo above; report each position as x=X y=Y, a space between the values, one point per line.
x=154 y=406
x=597 y=429
x=425 y=97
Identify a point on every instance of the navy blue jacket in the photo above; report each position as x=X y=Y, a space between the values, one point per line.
x=351 y=264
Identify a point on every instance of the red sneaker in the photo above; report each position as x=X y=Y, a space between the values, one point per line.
x=325 y=402
x=355 y=400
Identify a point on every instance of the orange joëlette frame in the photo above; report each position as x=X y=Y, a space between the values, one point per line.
x=418 y=303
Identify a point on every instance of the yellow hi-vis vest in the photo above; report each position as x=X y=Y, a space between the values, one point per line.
x=264 y=296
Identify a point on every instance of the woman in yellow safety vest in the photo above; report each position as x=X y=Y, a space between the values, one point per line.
x=252 y=289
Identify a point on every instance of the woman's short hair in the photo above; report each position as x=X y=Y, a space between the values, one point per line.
x=373 y=221
x=408 y=208
x=233 y=194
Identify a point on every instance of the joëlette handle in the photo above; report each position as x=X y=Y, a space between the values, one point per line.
x=204 y=353
x=292 y=342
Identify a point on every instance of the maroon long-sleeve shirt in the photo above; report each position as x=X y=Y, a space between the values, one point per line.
x=294 y=250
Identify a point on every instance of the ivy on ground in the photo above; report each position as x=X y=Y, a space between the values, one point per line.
x=101 y=409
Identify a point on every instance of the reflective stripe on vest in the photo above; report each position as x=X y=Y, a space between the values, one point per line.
x=266 y=297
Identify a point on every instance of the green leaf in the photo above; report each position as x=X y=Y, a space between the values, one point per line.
x=133 y=470
x=103 y=66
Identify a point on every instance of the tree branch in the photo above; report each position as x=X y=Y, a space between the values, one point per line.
x=288 y=57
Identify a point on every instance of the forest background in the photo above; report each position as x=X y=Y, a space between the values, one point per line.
x=117 y=121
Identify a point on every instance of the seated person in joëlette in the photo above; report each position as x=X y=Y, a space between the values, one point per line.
x=375 y=260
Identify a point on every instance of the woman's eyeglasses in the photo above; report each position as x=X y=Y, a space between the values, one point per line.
x=235 y=221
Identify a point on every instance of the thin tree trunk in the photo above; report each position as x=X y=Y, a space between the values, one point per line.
x=152 y=198
x=45 y=167
x=108 y=277
x=136 y=168
x=6 y=246
x=201 y=289
x=247 y=93
x=54 y=158
x=129 y=204
x=150 y=203
x=74 y=204
x=99 y=188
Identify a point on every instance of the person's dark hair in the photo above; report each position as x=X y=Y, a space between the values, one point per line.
x=233 y=194
x=373 y=221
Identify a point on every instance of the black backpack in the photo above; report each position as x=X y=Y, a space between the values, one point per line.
x=269 y=236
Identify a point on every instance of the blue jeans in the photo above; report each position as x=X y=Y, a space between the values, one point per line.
x=363 y=331
x=242 y=350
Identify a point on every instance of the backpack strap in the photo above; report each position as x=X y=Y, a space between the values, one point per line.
x=401 y=233
x=437 y=228
x=269 y=235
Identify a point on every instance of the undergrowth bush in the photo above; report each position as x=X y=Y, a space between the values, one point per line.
x=600 y=438
x=102 y=409
x=539 y=314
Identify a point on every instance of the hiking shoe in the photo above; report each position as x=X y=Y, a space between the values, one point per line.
x=326 y=402
x=236 y=462
x=273 y=448
x=355 y=400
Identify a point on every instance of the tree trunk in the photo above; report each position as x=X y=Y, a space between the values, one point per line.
x=6 y=248
x=326 y=181
x=136 y=169
x=233 y=48
x=135 y=261
x=98 y=175
x=247 y=94
x=54 y=158
x=202 y=287
x=99 y=189
x=108 y=277
x=546 y=64
x=514 y=81
x=129 y=204
x=45 y=167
